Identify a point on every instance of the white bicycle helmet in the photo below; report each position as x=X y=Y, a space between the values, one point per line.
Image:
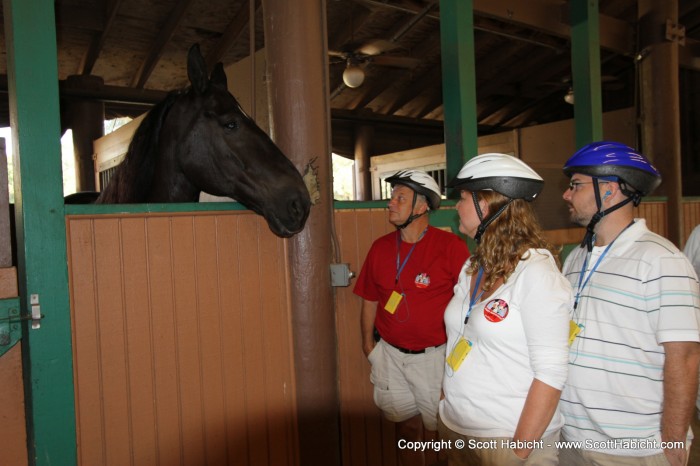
x=502 y=173
x=420 y=182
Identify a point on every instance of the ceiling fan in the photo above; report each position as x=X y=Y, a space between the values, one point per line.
x=355 y=57
x=608 y=83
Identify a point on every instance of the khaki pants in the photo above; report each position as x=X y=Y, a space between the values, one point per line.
x=494 y=454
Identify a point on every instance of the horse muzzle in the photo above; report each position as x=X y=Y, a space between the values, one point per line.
x=290 y=217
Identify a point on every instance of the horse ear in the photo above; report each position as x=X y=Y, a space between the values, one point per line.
x=197 y=70
x=218 y=76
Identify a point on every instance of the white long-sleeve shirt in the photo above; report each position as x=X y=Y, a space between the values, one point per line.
x=519 y=333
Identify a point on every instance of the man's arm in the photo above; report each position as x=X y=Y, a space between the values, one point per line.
x=369 y=312
x=680 y=392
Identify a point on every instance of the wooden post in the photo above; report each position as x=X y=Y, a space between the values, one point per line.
x=585 y=63
x=660 y=107
x=30 y=41
x=363 y=178
x=295 y=38
x=458 y=83
x=86 y=119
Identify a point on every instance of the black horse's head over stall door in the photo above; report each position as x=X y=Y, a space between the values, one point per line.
x=200 y=139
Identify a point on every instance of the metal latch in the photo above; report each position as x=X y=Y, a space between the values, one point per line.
x=36 y=311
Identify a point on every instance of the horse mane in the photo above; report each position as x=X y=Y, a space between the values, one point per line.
x=133 y=179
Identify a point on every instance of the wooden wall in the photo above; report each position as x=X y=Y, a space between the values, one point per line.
x=181 y=339
x=368 y=439
x=13 y=446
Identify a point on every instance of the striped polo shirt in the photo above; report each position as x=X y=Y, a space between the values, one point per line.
x=643 y=293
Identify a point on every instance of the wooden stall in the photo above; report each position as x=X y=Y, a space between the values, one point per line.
x=182 y=345
x=12 y=420
x=181 y=339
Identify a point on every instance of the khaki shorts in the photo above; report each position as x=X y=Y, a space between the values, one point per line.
x=406 y=385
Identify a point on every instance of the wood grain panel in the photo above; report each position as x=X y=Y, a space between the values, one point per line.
x=86 y=344
x=367 y=438
x=691 y=218
x=12 y=425
x=182 y=340
x=139 y=341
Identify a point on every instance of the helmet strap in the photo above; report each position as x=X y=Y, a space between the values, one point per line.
x=413 y=216
x=485 y=223
x=590 y=228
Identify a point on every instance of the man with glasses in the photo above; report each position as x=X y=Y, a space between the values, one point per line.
x=634 y=354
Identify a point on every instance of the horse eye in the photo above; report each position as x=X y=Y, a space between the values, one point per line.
x=231 y=125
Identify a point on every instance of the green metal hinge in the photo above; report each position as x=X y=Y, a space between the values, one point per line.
x=10 y=328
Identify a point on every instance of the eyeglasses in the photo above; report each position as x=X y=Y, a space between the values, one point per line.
x=573 y=185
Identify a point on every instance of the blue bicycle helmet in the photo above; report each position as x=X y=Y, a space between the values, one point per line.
x=606 y=159
x=613 y=161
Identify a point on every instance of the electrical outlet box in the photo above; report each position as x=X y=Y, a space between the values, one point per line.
x=341 y=274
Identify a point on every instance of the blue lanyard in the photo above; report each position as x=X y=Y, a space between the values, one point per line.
x=398 y=253
x=581 y=282
x=474 y=297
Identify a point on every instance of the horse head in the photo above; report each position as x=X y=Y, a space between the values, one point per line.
x=214 y=146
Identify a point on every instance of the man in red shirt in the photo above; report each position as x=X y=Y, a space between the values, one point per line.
x=406 y=282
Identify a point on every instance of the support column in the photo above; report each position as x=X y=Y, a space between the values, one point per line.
x=30 y=41
x=585 y=64
x=295 y=39
x=364 y=134
x=458 y=82
x=86 y=119
x=660 y=107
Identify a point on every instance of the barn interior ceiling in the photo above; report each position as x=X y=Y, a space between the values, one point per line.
x=523 y=60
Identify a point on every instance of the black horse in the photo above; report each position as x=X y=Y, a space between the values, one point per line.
x=200 y=139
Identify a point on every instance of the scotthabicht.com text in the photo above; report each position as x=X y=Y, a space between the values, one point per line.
x=628 y=444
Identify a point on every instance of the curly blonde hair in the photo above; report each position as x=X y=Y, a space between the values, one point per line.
x=507 y=239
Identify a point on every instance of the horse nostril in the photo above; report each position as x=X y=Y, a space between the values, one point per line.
x=295 y=208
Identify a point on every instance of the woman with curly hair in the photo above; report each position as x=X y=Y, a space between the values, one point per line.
x=507 y=324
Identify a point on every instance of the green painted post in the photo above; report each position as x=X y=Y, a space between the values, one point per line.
x=585 y=63
x=458 y=82
x=30 y=37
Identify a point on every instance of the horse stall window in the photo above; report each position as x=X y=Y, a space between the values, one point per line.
x=106 y=175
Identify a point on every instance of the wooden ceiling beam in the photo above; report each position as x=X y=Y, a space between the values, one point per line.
x=372 y=88
x=81 y=18
x=163 y=37
x=87 y=63
x=346 y=34
x=231 y=34
x=542 y=15
x=548 y=17
x=433 y=101
x=406 y=95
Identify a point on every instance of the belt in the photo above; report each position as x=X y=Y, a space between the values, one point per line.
x=410 y=351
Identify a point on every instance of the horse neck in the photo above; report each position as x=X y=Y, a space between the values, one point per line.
x=169 y=182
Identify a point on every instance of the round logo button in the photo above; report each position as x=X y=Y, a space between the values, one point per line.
x=496 y=310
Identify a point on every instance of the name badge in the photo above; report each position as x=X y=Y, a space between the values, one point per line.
x=459 y=353
x=574 y=330
x=393 y=302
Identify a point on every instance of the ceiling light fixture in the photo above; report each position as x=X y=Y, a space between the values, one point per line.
x=569 y=97
x=353 y=76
